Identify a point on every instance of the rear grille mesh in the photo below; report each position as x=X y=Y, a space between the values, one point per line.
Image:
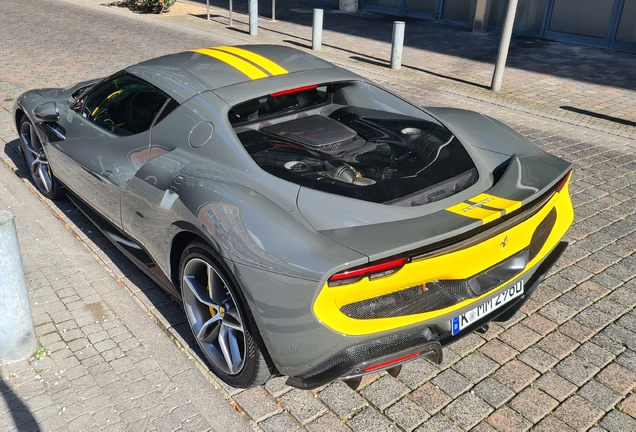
x=438 y=295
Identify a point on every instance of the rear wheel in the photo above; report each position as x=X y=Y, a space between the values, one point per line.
x=219 y=319
x=39 y=167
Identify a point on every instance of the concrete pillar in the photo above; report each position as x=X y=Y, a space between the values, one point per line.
x=482 y=10
x=17 y=335
x=348 y=5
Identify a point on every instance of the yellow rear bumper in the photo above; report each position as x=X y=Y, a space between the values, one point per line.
x=455 y=265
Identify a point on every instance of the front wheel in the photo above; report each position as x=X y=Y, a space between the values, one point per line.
x=219 y=320
x=39 y=167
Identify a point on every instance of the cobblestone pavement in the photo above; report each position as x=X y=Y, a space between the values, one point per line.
x=567 y=361
x=585 y=86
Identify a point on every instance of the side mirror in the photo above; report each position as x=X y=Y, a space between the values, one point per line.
x=46 y=112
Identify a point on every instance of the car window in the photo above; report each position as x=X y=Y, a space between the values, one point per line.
x=124 y=105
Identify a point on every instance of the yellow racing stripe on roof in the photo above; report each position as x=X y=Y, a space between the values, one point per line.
x=237 y=63
x=257 y=59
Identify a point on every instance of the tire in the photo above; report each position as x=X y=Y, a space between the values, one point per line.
x=220 y=320
x=39 y=168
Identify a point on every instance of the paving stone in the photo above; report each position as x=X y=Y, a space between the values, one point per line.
x=551 y=424
x=557 y=344
x=417 y=372
x=616 y=421
x=576 y=369
x=438 y=423
x=556 y=386
x=467 y=344
x=430 y=397
x=612 y=308
x=498 y=351
x=277 y=387
x=475 y=367
x=620 y=335
x=599 y=395
x=302 y=405
x=515 y=375
x=279 y=423
x=591 y=291
x=507 y=420
x=519 y=337
x=451 y=383
x=341 y=399
x=618 y=378
x=538 y=359
x=467 y=410
x=449 y=359
x=493 y=331
x=385 y=391
x=629 y=405
x=327 y=422
x=518 y=317
x=578 y=413
x=407 y=414
x=557 y=312
x=370 y=420
x=576 y=331
x=533 y=404
x=593 y=318
x=257 y=403
x=594 y=354
x=493 y=392
x=483 y=427
x=539 y=324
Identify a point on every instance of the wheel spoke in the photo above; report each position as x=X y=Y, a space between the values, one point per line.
x=201 y=292
x=33 y=138
x=209 y=332
x=232 y=319
x=218 y=290
x=230 y=348
x=43 y=174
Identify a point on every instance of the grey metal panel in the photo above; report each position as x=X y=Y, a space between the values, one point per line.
x=484 y=132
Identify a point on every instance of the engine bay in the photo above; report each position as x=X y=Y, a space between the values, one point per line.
x=359 y=152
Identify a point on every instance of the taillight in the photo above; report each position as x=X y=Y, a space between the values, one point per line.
x=373 y=270
x=295 y=90
x=561 y=184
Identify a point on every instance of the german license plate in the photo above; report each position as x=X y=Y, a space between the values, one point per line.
x=462 y=321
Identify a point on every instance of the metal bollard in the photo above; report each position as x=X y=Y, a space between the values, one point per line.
x=316 y=31
x=398 y=43
x=17 y=335
x=253 y=17
x=273 y=10
x=504 y=45
x=230 y=13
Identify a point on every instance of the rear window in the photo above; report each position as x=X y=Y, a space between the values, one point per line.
x=356 y=140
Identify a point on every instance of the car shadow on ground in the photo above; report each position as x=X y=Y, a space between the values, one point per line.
x=164 y=307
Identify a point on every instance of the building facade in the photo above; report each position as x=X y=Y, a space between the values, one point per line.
x=602 y=23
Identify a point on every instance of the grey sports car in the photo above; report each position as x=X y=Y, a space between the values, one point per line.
x=315 y=225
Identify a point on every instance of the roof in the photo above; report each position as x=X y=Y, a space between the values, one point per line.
x=185 y=74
